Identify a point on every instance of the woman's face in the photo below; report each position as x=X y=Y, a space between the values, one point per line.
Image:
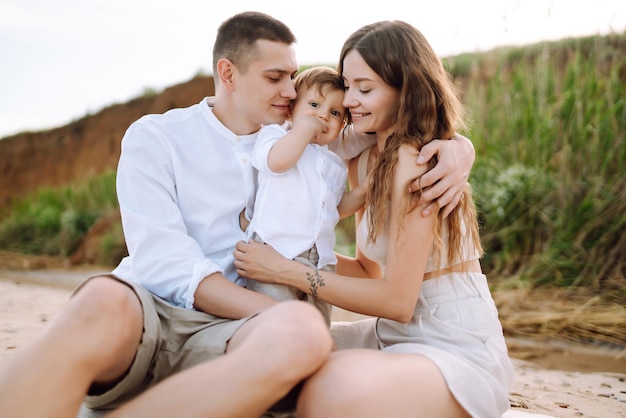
x=373 y=103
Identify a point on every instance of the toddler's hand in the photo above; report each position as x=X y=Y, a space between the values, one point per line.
x=310 y=126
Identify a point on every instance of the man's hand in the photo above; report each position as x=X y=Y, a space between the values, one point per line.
x=448 y=178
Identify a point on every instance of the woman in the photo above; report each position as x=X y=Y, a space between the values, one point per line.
x=441 y=352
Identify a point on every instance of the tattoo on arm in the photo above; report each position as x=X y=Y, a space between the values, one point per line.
x=315 y=282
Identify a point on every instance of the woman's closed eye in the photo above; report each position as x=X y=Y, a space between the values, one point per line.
x=361 y=91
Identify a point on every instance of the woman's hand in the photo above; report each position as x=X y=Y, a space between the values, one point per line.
x=258 y=261
x=449 y=176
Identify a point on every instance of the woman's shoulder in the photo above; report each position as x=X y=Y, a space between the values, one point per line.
x=407 y=161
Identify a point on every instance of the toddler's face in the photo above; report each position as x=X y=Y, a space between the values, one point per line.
x=326 y=106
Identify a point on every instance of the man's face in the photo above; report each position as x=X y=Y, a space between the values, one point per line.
x=265 y=90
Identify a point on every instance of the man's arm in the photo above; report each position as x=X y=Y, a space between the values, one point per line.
x=449 y=176
x=220 y=297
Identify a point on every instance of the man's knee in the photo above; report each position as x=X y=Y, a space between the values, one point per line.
x=106 y=315
x=301 y=323
x=298 y=332
x=109 y=308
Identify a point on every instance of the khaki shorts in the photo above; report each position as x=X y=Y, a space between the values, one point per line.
x=173 y=339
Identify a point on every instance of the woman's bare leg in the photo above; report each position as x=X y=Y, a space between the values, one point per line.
x=370 y=383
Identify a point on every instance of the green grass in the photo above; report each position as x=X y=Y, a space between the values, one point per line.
x=548 y=124
x=53 y=221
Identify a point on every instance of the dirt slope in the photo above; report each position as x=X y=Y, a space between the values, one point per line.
x=86 y=147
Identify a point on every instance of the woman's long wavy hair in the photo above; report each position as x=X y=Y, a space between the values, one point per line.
x=429 y=108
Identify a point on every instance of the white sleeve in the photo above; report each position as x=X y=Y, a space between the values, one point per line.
x=164 y=258
x=268 y=136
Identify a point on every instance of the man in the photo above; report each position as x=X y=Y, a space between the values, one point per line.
x=172 y=331
x=182 y=182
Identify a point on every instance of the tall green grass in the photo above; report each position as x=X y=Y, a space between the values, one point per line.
x=548 y=125
x=54 y=221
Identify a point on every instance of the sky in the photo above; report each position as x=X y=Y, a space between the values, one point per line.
x=63 y=59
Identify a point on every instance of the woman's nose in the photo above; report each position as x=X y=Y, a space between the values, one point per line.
x=348 y=99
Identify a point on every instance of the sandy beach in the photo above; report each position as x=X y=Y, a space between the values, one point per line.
x=595 y=387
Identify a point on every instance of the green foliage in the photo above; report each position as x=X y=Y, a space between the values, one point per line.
x=201 y=73
x=548 y=127
x=53 y=221
x=345 y=236
x=517 y=220
x=149 y=92
x=112 y=247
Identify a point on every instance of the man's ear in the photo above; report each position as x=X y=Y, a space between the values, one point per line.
x=225 y=72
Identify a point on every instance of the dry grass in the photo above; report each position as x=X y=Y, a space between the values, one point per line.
x=562 y=314
x=16 y=261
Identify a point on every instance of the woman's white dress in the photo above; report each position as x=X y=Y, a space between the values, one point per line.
x=455 y=324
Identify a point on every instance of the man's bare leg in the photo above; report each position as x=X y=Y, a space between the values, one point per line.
x=266 y=357
x=94 y=339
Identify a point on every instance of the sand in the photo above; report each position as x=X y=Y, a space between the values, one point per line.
x=29 y=299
